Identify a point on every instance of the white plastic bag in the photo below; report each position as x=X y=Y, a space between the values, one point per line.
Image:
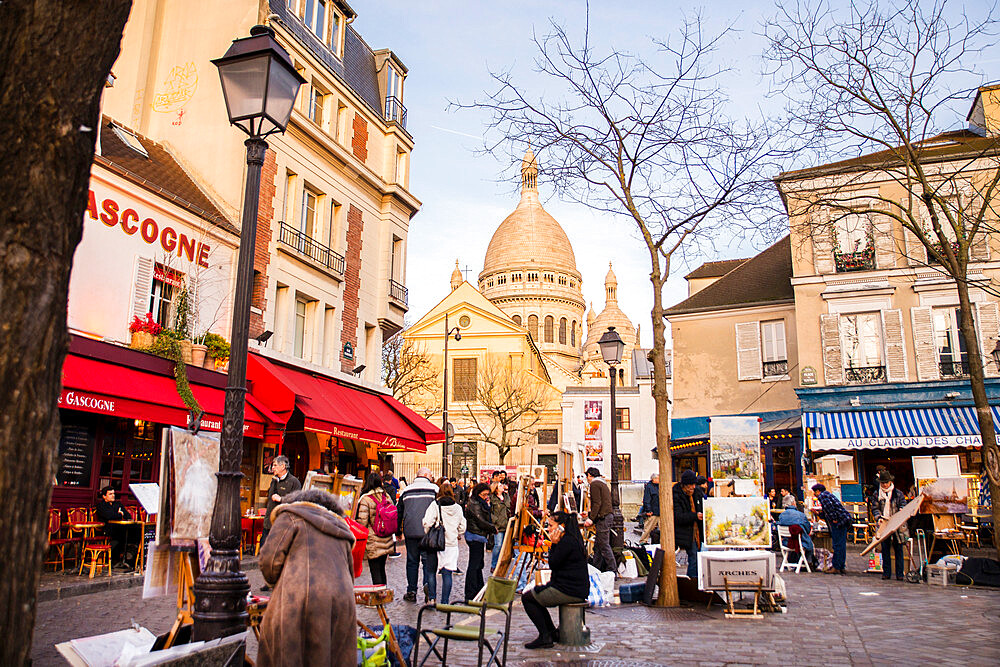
x=628 y=568
x=598 y=596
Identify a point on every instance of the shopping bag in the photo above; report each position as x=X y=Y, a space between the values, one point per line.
x=597 y=596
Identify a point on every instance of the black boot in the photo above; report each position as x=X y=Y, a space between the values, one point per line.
x=542 y=641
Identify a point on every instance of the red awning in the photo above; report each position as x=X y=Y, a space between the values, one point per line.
x=104 y=387
x=344 y=411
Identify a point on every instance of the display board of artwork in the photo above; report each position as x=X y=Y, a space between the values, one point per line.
x=195 y=460
x=736 y=522
x=946 y=495
x=593 y=435
x=735 y=449
x=740 y=570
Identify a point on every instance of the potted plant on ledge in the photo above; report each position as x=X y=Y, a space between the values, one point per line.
x=144 y=332
x=218 y=350
x=199 y=350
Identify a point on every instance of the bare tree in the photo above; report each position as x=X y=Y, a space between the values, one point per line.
x=881 y=79
x=54 y=58
x=508 y=405
x=408 y=371
x=647 y=139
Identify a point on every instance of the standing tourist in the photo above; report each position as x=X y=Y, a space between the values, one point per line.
x=377 y=513
x=391 y=485
x=888 y=501
x=838 y=520
x=478 y=533
x=686 y=517
x=570 y=583
x=282 y=484
x=650 y=506
x=310 y=618
x=500 y=507
x=445 y=511
x=413 y=502
x=600 y=518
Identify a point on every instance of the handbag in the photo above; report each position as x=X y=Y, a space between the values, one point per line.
x=433 y=539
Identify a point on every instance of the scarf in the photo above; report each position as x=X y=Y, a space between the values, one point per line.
x=886 y=497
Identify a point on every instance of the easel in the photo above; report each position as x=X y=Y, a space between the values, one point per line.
x=507 y=567
x=946 y=529
x=759 y=595
x=187 y=571
x=378 y=597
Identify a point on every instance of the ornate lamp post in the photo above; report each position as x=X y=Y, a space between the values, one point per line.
x=612 y=348
x=259 y=83
x=448 y=332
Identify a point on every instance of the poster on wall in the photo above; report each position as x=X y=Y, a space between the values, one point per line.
x=735 y=449
x=737 y=522
x=593 y=435
x=486 y=471
x=195 y=462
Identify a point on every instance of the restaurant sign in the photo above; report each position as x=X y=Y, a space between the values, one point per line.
x=904 y=442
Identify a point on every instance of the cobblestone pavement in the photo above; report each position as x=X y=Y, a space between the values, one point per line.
x=856 y=619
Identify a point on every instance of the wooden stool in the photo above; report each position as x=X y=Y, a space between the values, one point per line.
x=971 y=534
x=100 y=556
x=573 y=630
x=860 y=533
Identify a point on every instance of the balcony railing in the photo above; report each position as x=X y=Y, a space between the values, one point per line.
x=953 y=369
x=864 y=374
x=314 y=250
x=398 y=292
x=863 y=260
x=395 y=111
x=775 y=368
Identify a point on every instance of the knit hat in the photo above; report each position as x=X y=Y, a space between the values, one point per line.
x=688 y=477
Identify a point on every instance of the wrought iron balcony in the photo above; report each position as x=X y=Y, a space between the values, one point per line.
x=775 y=368
x=395 y=111
x=864 y=374
x=953 y=369
x=398 y=292
x=862 y=260
x=314 y=250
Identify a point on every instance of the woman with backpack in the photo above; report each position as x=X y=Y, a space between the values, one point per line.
x=445 y=511
x=377 y=513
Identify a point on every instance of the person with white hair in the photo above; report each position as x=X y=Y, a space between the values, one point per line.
x=410 y=510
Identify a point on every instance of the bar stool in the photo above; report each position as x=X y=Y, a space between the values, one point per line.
x=860 y=532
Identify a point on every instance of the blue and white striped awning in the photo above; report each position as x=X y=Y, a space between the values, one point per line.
x=892 y=429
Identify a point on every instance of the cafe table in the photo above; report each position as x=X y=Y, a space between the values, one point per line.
x=252 y=526
x=127 y=523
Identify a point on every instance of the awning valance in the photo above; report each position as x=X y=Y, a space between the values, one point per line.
x=896 y=429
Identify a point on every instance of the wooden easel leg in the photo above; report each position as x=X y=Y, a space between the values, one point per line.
x=393 y=643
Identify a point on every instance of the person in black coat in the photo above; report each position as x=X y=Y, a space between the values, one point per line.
x=687 y=520
x=479 y=529
x=570 y=582
x=650 y=511
x=109 y=509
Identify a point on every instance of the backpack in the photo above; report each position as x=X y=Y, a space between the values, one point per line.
x=386 y=520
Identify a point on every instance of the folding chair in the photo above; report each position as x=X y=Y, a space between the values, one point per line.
x=785 y=540
x=499 y=596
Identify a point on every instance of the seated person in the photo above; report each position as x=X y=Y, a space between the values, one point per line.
x=109 y=509
x=792 y=517
x=570 y=581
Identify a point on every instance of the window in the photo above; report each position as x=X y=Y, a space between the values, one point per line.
x=336 y=33
x=516 y=277
x=562 y=280
x=572 y=334
x=166 y=285
x=393 y=83
x=464 y=375
x=625 y=466
x=314 y=17
x=307 y=221
x=532 y=277
x=396 y=260
x=623 y=419
x=533 y=326
x=549 y=278
x=953 y=359
x=289 y=203
x=861 y=335
x=517 y=320
x=773 y=353
x=333 y=232
x=341 y=123
x=401 y=167
x=572 y=283
x=502 y=279
x=315 y=109
x=549 y=325
x=548 y=436
x=299 y=337
x=855 y=246
x=562 y=331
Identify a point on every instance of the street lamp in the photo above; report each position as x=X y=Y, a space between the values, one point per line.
x=612 y=348
x=447 y=432
x=259 y=83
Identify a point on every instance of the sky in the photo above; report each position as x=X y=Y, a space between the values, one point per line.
x=450 y=48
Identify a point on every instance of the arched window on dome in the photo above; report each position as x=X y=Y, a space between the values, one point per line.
x=562 y=331
x=517 y=320
x=549 y=328
x=533 y=327
x=572 y=334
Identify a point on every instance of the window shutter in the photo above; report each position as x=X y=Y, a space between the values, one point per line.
x=193 y=285
x=979 y=250
x=885 y=243
x=142 y=286
x=915 y=251
x=822 y=236
x=895 y=350
x=748 y=363
x=833 y=361
x=464 y=371
x=988 y=320
x=923 y=344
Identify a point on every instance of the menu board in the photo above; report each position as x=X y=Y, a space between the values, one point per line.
x=75 y=456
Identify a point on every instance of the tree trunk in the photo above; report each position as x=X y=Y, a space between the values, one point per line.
x=987 y=429
x=667 y=595
x=55 y=56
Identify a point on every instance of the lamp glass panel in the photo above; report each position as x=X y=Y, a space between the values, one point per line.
x=283 y=88
x=244 y=83
x=612 y=350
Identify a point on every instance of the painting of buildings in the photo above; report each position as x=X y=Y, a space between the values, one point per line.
x=735 y=448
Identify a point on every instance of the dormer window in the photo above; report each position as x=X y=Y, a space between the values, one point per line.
x=336 y=32
x=394 y=109
x=314 y=16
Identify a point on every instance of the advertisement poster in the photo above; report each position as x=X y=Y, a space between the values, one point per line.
x=593 y=434
x=486 y=472
x=735 y=449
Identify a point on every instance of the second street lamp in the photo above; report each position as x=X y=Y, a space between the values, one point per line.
x=259 y=83
x=612 y=348
x=448 y=431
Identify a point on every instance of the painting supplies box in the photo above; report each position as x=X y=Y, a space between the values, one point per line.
x=632 y=592
x=941 y=575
